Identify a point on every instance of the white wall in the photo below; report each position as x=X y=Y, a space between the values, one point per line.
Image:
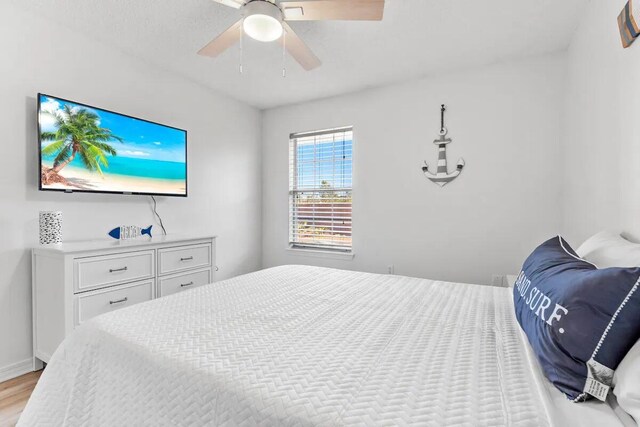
x=224 y=158
x=601 y=144
x=505 y=122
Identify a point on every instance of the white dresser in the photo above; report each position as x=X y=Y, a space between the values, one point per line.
x=73 y=282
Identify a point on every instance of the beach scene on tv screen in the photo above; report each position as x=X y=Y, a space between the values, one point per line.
x=84 y=148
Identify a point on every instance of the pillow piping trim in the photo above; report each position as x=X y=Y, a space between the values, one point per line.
x=572 y=255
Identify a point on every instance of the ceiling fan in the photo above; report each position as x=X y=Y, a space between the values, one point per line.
x=266 y=21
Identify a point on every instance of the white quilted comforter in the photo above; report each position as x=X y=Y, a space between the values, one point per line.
x=297 y=346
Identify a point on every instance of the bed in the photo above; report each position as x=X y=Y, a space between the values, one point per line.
x=303 y=346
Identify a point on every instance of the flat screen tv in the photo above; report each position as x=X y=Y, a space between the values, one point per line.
x=88 y=149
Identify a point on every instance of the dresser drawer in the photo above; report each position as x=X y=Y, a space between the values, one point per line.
x=171 y=284
x=172 y=260
x=107 y=270
x=94 y=303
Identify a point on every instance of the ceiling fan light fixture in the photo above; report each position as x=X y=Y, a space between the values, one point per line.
x=262 y=21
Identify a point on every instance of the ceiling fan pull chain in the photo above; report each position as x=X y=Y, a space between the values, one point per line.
x=284 y=54
x=442 y=110
x=241 y=49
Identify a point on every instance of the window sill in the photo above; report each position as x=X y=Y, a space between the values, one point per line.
x=319 y=253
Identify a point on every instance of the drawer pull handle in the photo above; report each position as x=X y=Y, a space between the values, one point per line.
x=125 y=299
x=114 y=270
x=186 y=259
x=184 y=285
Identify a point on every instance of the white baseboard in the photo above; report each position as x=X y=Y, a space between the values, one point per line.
x=15 y=370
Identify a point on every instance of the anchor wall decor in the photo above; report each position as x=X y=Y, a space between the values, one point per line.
x=442 y=176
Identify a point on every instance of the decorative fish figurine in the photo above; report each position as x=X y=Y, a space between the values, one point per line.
x=129 y=232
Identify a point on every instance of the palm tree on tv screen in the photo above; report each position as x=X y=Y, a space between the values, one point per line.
x=78 y=133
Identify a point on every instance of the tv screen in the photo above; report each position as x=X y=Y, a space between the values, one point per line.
x=88 y=149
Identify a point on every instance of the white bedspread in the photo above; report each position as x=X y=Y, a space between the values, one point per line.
x=297 y=346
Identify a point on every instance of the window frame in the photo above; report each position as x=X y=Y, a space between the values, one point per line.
x=311 y=249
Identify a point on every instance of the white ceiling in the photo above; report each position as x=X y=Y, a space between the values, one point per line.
x=416 y=38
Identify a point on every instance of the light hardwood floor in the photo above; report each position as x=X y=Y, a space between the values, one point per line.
x=14 y=395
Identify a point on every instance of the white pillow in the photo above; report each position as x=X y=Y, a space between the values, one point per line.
x=608 y=249
x=626 y=381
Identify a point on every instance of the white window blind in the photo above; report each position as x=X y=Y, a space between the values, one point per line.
x=320 y=184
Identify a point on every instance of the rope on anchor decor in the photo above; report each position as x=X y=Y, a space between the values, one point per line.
x=442 y=176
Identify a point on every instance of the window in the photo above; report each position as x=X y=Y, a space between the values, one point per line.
x=320 y=184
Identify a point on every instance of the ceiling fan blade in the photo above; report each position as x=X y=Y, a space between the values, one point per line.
x=298 y=49
x=336 y=10
x=236 y=4
x=223 y=42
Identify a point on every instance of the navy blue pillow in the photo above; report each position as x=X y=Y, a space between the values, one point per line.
x=580 y=320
